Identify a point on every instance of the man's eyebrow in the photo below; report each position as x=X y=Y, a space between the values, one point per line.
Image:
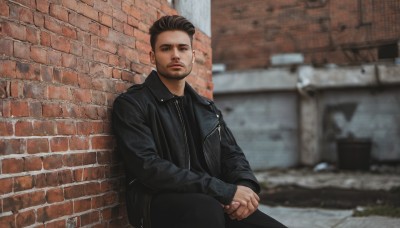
x=168 y=45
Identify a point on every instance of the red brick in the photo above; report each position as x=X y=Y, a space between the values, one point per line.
x=118 y=25
x=12 y=146
x=54 y=58
x=32 y=35
x=105 y=19
x=104 y=157
x=33 y=164
x=39 y=145
x=34 y=91
x=23 y=128
x=84 y=128
x=16 y=31
x=38 y=54
x=21 y=49
x=45 y=39
x=102 y=142
x=107 y=46
x=66 y=128
x=88 y=11
x=42 y=6
x=52 y=110
x=133 y=22
x=25 y=218
x=52 y=25
x=57 y=224
x=54 y=195
x=105 y=7
x=59 y=93
x=89 y=158
x=99 y=98
x=82 y=205
x=100 y=56
x=79 y=21
x=52 y=162
x=6 y=47
x=23 y=183
x=35 y=109
x=71 y=160
x=70 y=78
x=26 y=15
x=38 y=19
x=7 y=220
x=82 y=95
x=7 y=68
x=12 y=165
x=91 y=217
x=93 y=173
x=68 y=60
x=69 y=32
x=60 y=43
x=4 y=9
x=6 y=185
x=54 y=211
x=59 y=12
x=84 y=81
x=43 y=128
x=79 y=143
x=6 y=129
x=59 y=144
x=16 y=88
x=92 y=188
x=74 y=191
x=76 y=48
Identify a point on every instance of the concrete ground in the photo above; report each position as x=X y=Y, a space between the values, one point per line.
x=328 y=218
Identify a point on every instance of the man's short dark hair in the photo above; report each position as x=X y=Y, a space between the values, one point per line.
x=169 y=23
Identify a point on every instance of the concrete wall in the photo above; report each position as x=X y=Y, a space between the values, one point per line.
x=372 y=113
x=284 y=117
x=265 y=126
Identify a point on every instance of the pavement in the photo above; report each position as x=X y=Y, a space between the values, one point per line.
x=329 y=218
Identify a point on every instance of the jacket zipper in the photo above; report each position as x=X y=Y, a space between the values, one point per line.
x=184 y=130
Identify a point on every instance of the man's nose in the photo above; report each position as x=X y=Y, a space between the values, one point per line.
x=175 y=53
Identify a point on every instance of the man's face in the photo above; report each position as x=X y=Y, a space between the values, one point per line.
x=173 y=55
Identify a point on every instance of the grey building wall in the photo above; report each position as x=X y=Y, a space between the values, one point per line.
x=361 y=113
x=284 y=117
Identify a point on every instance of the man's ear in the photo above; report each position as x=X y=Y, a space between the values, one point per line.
x=152 y=57
x=194 y=56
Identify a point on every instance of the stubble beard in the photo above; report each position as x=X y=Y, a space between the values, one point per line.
x=169 y=76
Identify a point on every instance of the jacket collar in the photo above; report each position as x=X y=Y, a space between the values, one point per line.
x=162 y=94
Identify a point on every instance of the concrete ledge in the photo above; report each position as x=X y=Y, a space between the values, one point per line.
x=306 y=77
x=254 y=81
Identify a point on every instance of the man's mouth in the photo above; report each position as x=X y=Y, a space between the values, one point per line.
x=173 y=65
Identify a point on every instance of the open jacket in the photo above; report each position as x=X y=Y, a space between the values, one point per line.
x=150 y=133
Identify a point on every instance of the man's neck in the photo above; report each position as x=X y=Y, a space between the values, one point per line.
x=176 y=87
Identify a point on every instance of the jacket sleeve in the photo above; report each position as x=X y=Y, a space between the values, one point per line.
x=235 y=168
x=136 y=143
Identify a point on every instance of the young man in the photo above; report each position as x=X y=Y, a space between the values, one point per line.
x=183 y=166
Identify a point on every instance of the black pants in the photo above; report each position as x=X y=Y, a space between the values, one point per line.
x=178 y=210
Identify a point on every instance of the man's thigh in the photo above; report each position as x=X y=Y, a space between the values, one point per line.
x=182 y=210
x=256 y=220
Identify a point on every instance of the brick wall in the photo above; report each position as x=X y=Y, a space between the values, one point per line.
x=62 y=63
x=337 y=31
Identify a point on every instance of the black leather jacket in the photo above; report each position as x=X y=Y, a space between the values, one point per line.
x=150 y=134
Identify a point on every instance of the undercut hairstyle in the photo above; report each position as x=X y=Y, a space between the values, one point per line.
x=170 y=23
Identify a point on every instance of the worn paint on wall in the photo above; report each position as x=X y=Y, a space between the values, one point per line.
x=362 y=114
x=265 y=126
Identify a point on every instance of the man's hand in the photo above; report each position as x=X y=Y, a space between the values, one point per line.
x=244 y=203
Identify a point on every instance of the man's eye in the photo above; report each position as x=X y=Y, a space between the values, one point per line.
x=165 y=48
x=184 y=48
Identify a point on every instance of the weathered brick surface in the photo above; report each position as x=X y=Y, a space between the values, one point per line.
x=342 y=32
x=62 y=63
